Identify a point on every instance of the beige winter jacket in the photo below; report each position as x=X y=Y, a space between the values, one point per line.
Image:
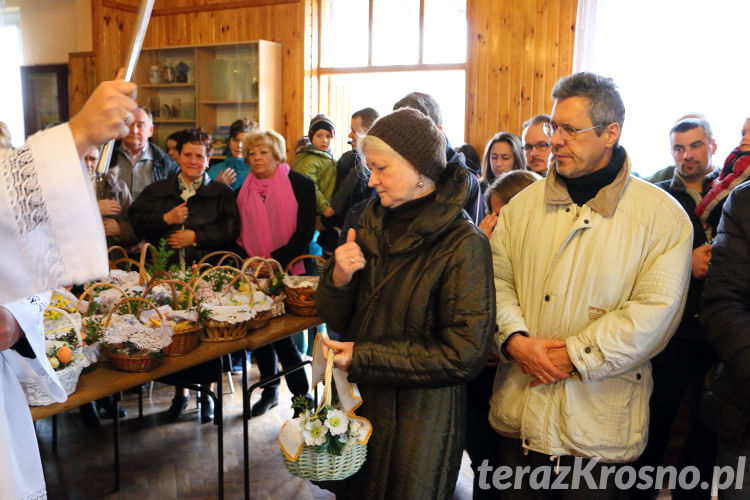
x=610 y=278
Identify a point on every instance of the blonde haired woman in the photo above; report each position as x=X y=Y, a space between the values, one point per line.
x=277 y=219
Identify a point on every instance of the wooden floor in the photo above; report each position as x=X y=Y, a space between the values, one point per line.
x=162 y=460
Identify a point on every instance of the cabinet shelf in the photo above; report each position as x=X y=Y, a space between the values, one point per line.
x=228 y=81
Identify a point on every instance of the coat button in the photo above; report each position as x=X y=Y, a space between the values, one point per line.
x=546 y=298
x=585 y=221
x=638 y=376
x=567 y=209
x=587 y=350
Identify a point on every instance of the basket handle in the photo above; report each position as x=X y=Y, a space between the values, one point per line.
x=246 y=263
x=100 y=284
x=328 y=374
x=116 y=248
x=172 y=283
x=300 y=257
x=240 y=275
x=67 y=316
x=225 y=254
x=140 y=301
x=145 y=278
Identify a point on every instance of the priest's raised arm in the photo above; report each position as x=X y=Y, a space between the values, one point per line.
x=51 y=233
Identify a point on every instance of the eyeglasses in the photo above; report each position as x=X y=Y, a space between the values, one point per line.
x=566 y=131
x=539 y=146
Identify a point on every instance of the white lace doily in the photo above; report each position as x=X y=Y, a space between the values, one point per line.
x=126 y=328
x=301 y=281
x=124 y=278
x=262 y=302
x=231 y=314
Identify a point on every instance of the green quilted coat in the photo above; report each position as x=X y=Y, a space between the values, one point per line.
x=418 y=340
x=321 y=168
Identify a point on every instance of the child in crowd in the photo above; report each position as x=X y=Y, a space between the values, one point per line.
x=234 y=170
x=316 y=162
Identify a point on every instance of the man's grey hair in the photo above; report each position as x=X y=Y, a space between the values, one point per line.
x=605 y=103
x=148 y=113
x=536 y=120
x=690 y=124
x=421 y=102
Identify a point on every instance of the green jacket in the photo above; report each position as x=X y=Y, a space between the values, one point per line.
x=422 y=335
x=321 y=168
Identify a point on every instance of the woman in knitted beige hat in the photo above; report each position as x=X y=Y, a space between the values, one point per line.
x=411 y=292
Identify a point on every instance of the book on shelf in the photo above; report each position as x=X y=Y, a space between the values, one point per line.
x=220 y=140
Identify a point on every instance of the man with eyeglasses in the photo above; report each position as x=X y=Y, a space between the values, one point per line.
x=536 y=144
x=680 y=369
x=591 y=268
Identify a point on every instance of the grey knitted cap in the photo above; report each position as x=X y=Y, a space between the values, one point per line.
x=414 y=136
x=320 y=121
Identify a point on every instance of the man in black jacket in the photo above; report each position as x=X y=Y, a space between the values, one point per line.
x=137 y=161
x=725 y=314
x=680 y=369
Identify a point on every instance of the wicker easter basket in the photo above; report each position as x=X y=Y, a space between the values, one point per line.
x=262 y=273
x=184 y=340
x=222 y=331
x=134 y=362
x=300 y=300
x=319 y=465
x=68 y=376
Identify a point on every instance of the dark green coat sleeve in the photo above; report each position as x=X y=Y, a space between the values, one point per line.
x=336 y=304
x=464 y=324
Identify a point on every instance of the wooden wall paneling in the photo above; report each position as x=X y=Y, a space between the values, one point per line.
x=502 y=54
x=515 y=91
x=530 y=34
x=543 y=50
x=81 y=79
x=517 y=51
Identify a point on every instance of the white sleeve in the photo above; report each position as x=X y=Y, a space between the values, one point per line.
x=51 y=233
x=28 y=313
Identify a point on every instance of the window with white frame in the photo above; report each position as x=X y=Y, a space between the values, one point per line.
x=373 y=52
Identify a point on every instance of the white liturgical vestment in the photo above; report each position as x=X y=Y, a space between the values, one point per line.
x=51 y=231
x=51 y=234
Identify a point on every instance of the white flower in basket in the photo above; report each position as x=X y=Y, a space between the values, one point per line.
x=314 y=433
x=331 y=442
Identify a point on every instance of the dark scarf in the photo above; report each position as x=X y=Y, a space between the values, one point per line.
x=399 y=218
x=582 y=189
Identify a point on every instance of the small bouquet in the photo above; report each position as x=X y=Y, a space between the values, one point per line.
x=331 y=442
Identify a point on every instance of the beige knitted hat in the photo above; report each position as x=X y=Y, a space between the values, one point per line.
x=414 y=136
